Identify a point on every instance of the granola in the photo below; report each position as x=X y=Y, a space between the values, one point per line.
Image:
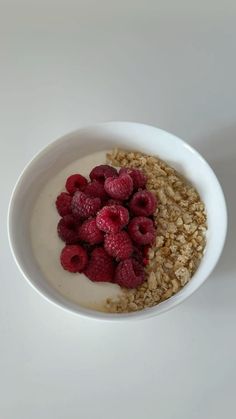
x=180 y=221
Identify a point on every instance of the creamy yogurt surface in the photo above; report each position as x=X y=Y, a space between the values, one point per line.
x=47 y=245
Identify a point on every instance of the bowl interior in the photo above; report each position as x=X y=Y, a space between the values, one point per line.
x=126 y=135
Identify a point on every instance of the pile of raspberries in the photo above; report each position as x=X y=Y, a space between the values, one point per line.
x=107 y=225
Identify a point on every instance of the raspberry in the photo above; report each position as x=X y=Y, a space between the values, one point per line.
x=102 y=172
x=118 y=245
x=137 y=254
x=143 y=203
x=100 y=267
x=76 y=183
x=112 y=219
x=141 y=230
x=63 y=204
x=89 y=232
x=95 y=189
x=146 y=250
x=139 y=178
x=68 y=229
x=84 y=206
x=119 y=188
x=74 y=258
x=114 y=202
x=129 y=273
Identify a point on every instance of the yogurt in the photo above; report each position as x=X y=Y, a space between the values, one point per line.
x=47 y=245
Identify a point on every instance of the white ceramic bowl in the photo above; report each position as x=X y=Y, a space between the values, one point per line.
x=105 y=136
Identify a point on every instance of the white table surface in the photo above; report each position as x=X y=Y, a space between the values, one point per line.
x=65 y=64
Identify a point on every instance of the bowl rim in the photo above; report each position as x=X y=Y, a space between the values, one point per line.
x=76 y=309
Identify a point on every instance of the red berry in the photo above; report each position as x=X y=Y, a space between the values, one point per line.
x=146 y=250
x=112 y=219
x=102 y=172
x=143 y=203
x=90 y=233
x=137 y=254
x=139 y=178
x=85 y=221
x=120 y=187
x=100 y=267
x=68 y=229
x=114 y=202
x=63 y=204
x=141 y=230
x=76 y=183
x=129 y=273
x=84 y=206
x=74 y=258
x=118 y=245
x=95 y=189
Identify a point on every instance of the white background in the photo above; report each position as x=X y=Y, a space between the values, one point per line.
x=64 y=64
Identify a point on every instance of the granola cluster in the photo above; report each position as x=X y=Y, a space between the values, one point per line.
x=180 y=221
